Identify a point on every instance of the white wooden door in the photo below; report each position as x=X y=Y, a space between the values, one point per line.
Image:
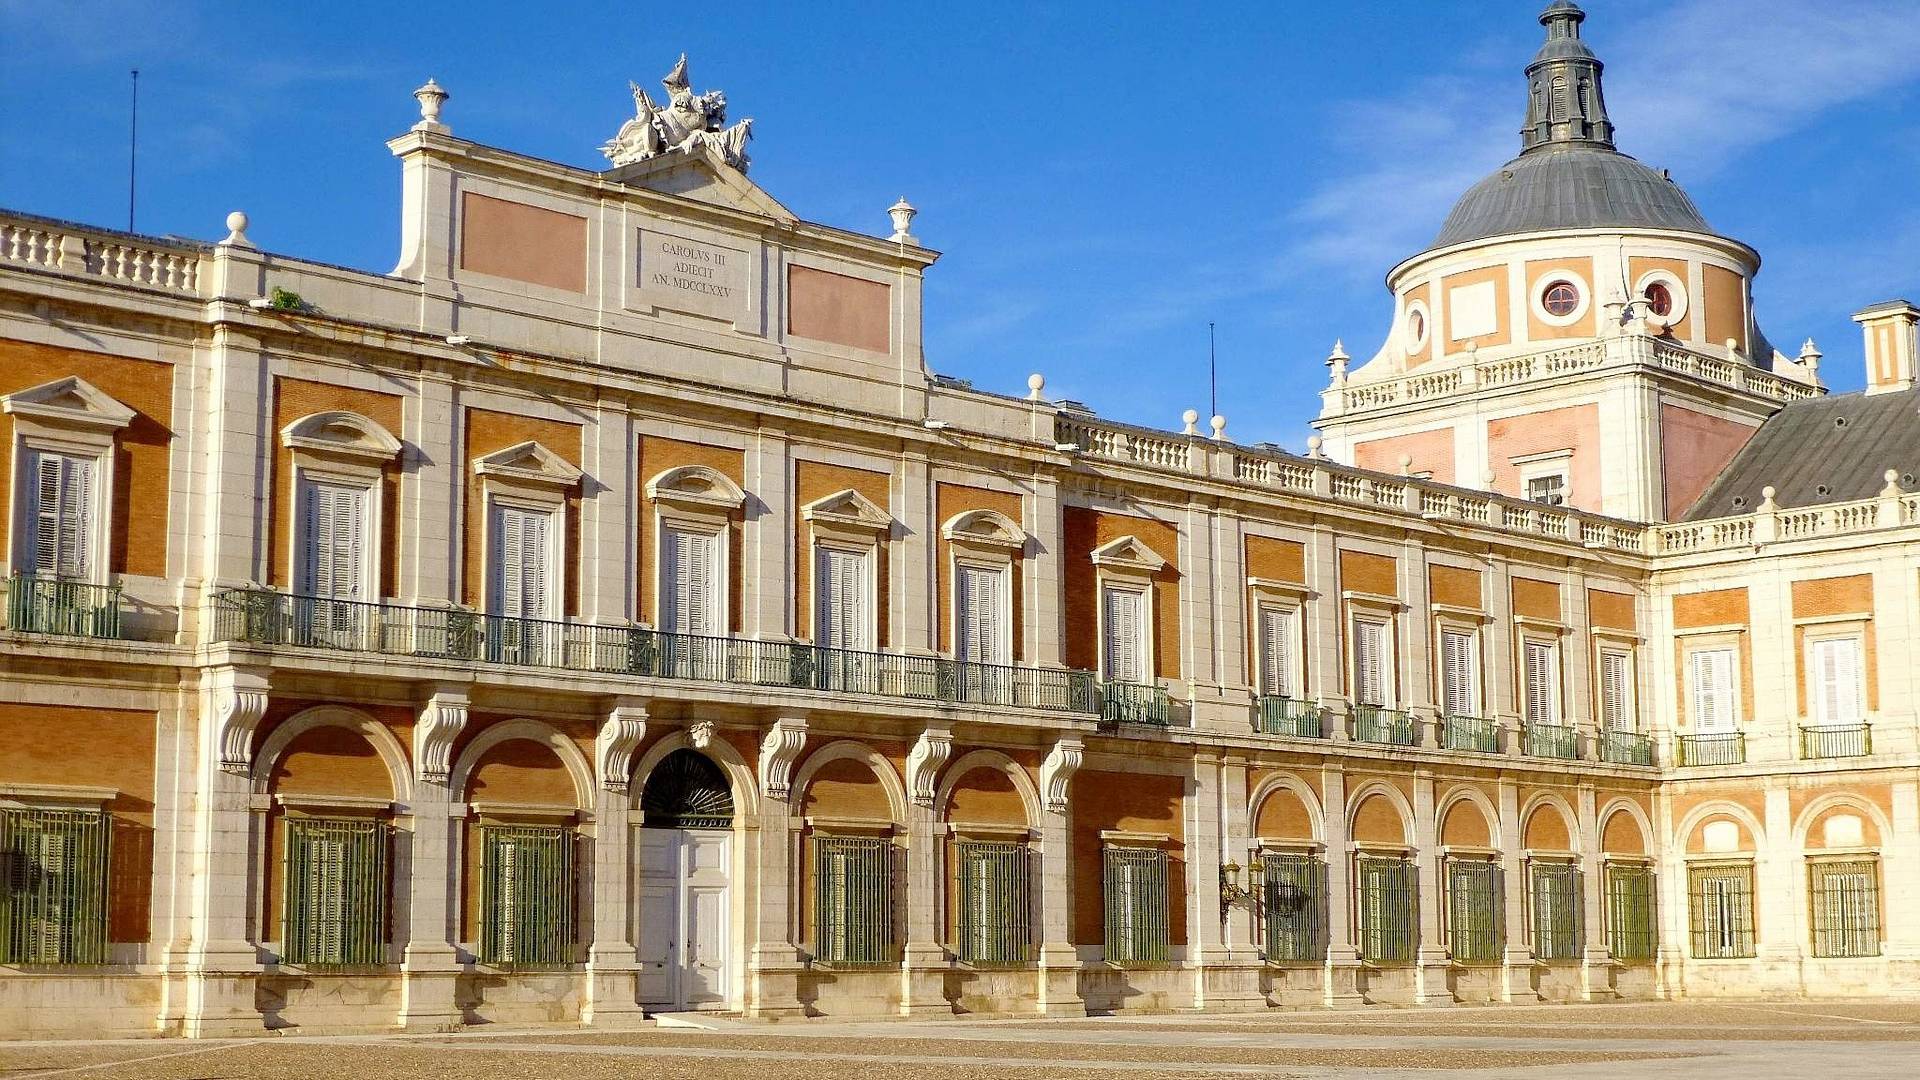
x=657 y=854
x=685 y=939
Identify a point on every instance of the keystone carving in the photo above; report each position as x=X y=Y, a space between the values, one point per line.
x=923 y=763
x=701 y=734
x=441 y=719
x=1057 y=771
x=778 y=751
x=619 y=737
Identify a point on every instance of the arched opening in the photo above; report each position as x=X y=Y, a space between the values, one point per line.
x=687 y=791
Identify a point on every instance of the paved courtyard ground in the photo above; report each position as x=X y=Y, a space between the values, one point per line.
x=1748 y=1041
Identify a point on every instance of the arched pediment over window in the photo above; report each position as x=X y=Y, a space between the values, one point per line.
x=696 y=485
x=341 y=432
x=984 y=527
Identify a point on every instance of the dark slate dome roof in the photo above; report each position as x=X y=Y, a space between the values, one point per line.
x=1563 y=186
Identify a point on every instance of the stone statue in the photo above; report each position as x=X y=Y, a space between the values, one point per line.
x=689 y=119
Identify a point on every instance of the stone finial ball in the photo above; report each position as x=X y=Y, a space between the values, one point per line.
x=1313 y=442
x=237 y=221
x=1036 y=381
x=1190 y=417
x=1767 y=492
x=1219 y=423
x=1891 y=475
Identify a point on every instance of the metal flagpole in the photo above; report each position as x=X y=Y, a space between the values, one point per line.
x=133 y=146
x=1213 y=377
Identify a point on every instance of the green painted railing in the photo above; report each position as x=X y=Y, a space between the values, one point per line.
x=1557 y=898
x=1722 y=748
x=1470 y=733
x=1836 y=741
x=1630 y=907
x=1135 y=703
x=526 y=896
x=1626 y=747
x=264 y=617
x=1550 y=741
x=1392 y=727
x=994 y=922
x=1277 y=715
x=42 y=605
x=853 y=901
x=1389 y=909
x=1475 y=898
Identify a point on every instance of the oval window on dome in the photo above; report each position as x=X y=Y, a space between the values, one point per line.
x=1416 y=326
x=1560 y=299
x=1659 y=299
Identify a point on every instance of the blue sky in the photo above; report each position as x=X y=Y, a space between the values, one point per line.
x=1104 y=179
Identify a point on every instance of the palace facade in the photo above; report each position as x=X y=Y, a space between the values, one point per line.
x=607 y=613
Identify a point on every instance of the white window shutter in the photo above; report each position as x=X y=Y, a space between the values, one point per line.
x=1540 y=679
x=840 y=599
x=1614 y=691
x=520 y=572
x=1276 y=651
x=981 y=638
x=1369 y=663
x=1126 y=661
x=1837 y=681
x=62 y=515
x=1457 y=673
x=1711 y=672
x=687 y=587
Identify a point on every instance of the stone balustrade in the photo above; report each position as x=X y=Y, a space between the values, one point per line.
x=64 y=248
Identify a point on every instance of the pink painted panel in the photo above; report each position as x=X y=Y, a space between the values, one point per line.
x=1432 y=452
x=1575 y=428
x=1694 y=448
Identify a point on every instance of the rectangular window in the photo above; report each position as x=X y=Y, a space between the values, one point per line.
x=526 y=896
x=1459 y=679
x=1836 y=681
x=1543 y=682
x=520 y=563
x=1136 y=905
x=333 y=529
x=995 y=915
x=1845 y=900
x=1556 y=900
x=980 y=615
x=689 y=593
x=1720 y=915
x=60 y=516
x=336 y=892
x=1711 y=690
x=1630 y=933
x=1371 y=684
x=842 y=616
x=1388 y=909
x=852 y=893
x=1295 y=907
x=1474 y=921
x=1616 y=691
x=1277 y=664
x=1550 y=489
x=53 y=886
x=1124 y=612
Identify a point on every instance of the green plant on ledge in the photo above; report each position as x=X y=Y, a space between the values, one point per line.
x=286 y=300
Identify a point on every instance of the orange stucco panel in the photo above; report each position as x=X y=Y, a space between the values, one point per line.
x=1365 y=572
x=1084 y=530
x=846 y=788
x=1622 y=835
x=1714 y=607
x=295 y=399
x=524 y=243
x=952 y=499
x=657 y=455
x=1546 y=830
x=1815 y=598
x=1575 y=428
x=1377 y=821
x=1638 y=265
x=1541 y=273
x=1725 y=307
x=1466 y=826
x=1124 y=802
x=1536 y=599
x=487 y=432
x=1283 y=814
x=1431 y=451
x=986 y=796
x=1455 y=586
x=836 y=308
x=1275 y=559
x=1502 y=306
x=1611 y=610
x=1694 y=449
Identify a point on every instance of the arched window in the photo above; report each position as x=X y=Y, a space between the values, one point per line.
x=1557 y=100
x=686 y=791
x=1560 y=299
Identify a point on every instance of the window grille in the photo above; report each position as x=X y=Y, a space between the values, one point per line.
x=53 y=886
x=1136 y=905
x=526 y=895
x=1556 y=910
x=1295 y=907
x=995 y=902
x=852 y=894
x=1474 y=907
x=1721 y=911
x=1630 y=908
x=1389 y=909
x=336 y=892
x=1845 y=899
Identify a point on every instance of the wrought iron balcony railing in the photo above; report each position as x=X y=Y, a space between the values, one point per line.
x=1135 y=703
x=1376 y=724
x=43 y=605
x=1626 y=747
x=1721 y=748
x=1276 y=715
x=1836 y=741
x=264 y=617
x=1550 y=741
x=1473 y=733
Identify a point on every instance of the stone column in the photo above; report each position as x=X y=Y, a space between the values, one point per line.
x=1779 y=895
x=1059 y=971
x=613 y=963
x=1225 y=977
x=223 y=960
x=1502 y=681
x=427 y=495
x=430 y=965
x=1516 y=963
x=1343 y=952
x=1430 y=957
x=1596 y=962
x=1417 y=625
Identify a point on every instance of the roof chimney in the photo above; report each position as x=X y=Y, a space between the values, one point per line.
x=1890 y=345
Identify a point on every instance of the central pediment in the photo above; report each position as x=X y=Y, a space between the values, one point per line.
x=699 y=173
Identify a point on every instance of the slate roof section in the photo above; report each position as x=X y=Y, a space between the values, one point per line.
x=1569 y=186
x=1823 y=450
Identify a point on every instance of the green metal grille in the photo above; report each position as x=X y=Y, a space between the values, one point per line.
x=1551 y=741
x=996 y=903
x=1389 y=909
x=852 y=900
x=1630 y=908
x=526 y=896
x=1845 y=899
x=1392 y=727
x=47 y=605
x=1135 y=703
x=1626 y=747
x=1295 y=907
x=1288 y=716
x=1720 y=911
x=1722 y=748
x=1471 y=733
x=53 y=886
x=1836 y=741
x=1136 y=905
x=1474 y=922
x=336 y=892
x=1557 y=910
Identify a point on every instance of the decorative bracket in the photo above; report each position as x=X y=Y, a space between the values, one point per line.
x=923 y=762
x=1057 y=771
x=619 y=737
x=778 y=751
x=441 y=720
x=239 y=701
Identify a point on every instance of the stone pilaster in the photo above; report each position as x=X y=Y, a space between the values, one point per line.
x=1516 y=962
x=429 y=966
x=222 y=957
x=613 y=963
x=1596 y=962
x=1430 y=956
x=1058 y=989
x=766 y=564
x=1342 y=986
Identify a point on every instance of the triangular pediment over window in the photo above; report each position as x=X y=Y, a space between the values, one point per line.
x=72 y=401
x=983 y=527
x=341 y=432
x=696 y=485
x=1128 y=553
x=528 y=462
x=847 y=509
x=699 y=173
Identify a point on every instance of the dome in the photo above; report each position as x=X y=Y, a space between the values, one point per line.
x=1569 y=186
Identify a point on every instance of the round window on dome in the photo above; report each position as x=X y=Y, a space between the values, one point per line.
x=1561 y=299
x=1413 y=327
x=1660 y=299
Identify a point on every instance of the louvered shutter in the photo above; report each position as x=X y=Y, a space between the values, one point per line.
x=1457 y=674
x=982 y=637
x=687 y=585
x=1369 y=663
x=1837 y=680
x=333 y=518
x=1613 y=692
x=1540 y=680
x=840 y=616
x=1276 y=651
x=62 y=515
x=1125 y=659
x=520 y=570
x=1711 y=672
